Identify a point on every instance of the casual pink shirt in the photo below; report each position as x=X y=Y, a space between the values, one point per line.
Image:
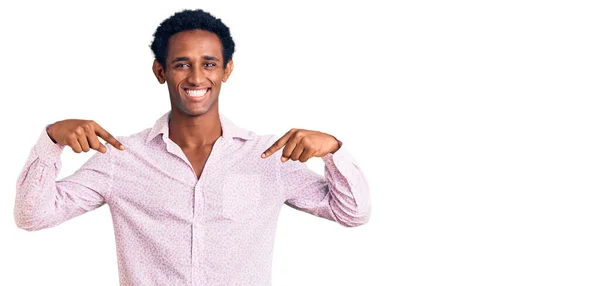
x=173 y=229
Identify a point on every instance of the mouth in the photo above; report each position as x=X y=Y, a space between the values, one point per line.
x=197 y=93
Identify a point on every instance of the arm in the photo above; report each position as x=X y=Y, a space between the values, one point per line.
x=42 y=202
x=342 y=195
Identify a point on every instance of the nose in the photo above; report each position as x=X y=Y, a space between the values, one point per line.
x=197 y=76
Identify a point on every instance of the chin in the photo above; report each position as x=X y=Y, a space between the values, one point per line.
x=193 y=112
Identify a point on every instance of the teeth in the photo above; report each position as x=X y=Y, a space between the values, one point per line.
x=197 y=92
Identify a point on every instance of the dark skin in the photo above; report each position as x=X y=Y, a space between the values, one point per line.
x=194 y=72
x=194 y=63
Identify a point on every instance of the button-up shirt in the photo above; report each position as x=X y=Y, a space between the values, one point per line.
x=172 y=228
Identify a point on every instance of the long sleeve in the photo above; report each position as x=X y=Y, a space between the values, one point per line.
x=342 y=195
x=42 y=202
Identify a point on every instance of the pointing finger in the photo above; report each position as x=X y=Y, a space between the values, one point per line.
x=278 y=144
x=109 y=138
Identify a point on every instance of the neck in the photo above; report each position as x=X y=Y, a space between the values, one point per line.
x=191 y=132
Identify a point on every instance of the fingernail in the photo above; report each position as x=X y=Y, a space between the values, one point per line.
x=283 y=159
x=263 y=155
x=122 y=147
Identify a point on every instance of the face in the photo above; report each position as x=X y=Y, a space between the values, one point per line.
x=193 y=72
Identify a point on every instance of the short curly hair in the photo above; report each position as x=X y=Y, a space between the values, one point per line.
x=191 y=20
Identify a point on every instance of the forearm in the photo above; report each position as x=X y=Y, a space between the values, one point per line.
x=36 y=187
x=43 y=202
x=349 y=197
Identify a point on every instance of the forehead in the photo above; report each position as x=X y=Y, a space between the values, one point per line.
x=194 y=42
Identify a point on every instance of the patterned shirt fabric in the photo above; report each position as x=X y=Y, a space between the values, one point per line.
x=174 y=229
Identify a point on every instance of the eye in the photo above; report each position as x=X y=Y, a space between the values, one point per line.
x=210 y=65
x=177 y=66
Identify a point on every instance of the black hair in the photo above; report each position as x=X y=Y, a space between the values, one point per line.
x=191 y=20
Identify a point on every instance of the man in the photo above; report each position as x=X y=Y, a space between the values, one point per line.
x=195 y=199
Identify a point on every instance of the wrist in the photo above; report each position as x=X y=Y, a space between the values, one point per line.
x=339 y=145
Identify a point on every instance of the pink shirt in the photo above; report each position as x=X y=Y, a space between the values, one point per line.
x=173 y=229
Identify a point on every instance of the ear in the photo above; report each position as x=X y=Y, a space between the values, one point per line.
x=228 y=70
x=159 y=72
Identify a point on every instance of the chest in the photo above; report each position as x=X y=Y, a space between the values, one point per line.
x=225 y=186
x=198 y=159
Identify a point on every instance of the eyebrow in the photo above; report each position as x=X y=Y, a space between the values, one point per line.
x=183 y=59
x=210 y=58
x=180 y=59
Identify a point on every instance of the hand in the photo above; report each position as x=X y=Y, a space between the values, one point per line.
x=81 y=135
x=301 y=144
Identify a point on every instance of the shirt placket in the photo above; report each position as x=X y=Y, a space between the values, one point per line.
x=199 y=206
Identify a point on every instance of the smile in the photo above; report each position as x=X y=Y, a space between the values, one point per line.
x=196 y=93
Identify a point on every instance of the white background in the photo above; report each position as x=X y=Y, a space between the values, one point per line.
x=476 y=123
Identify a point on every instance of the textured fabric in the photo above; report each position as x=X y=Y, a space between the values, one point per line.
x=173 y=229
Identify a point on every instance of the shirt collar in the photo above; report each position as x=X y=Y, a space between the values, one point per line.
x=230 y=130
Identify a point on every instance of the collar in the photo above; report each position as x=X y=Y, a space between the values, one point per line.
x=230 y=130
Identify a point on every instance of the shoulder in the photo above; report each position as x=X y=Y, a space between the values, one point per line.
x=258 y=142
x=263 y=142
x=135 y=139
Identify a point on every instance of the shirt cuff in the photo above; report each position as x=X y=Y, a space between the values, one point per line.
x=341 y=159
x=48 y=151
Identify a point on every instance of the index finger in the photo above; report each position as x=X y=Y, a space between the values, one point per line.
x=278 y=144
x=108 y=137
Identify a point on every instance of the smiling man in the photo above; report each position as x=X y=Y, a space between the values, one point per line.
x=194 y=199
